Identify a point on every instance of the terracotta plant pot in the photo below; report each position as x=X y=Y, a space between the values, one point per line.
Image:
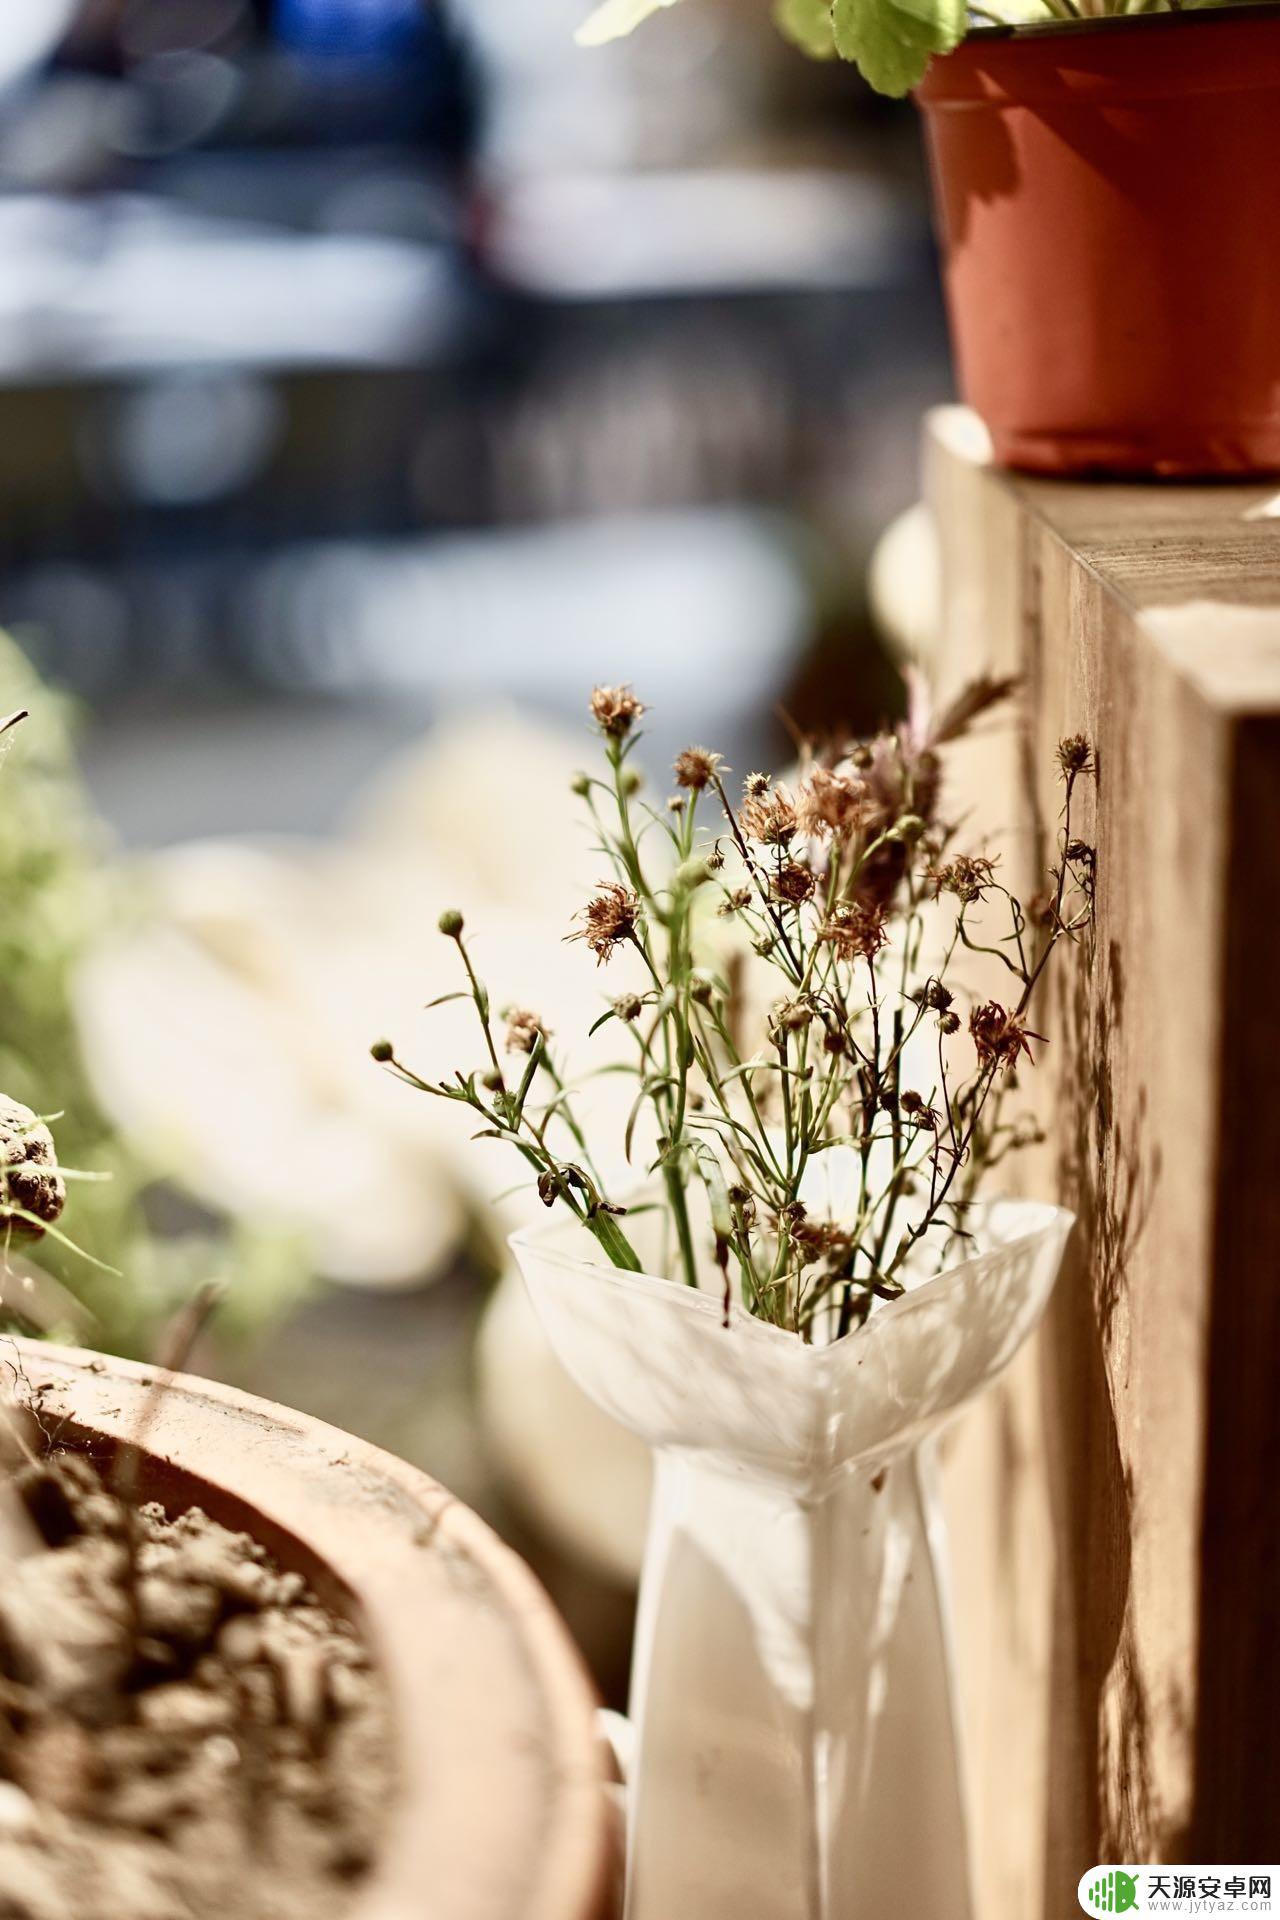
x=501 y=1813
x=1103 y=192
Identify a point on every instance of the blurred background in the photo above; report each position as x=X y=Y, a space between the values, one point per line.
x=375 y=377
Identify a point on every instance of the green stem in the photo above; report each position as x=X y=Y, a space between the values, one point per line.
x=614 y=1241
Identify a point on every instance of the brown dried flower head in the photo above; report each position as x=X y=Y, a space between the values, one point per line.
x=524 y=1030
x=628 y=1007
x=967 y=877
x=793 y=884
x=933 y=996
x=819 y=1239
x=696 y=768
x=734 y=902
x=918 y=1111
x=1075 y=755
x=32 y=1190
x=609 y=919
x=615 y=710
x=789 y=1016
x=855 y=929
x=768 y=813
x=1001 y=1037
x=831 y=804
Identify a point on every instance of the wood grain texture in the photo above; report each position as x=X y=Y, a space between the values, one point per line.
x=1114 y=1505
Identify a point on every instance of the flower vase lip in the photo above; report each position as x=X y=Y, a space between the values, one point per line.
x=1043 y=1216
x=658 y=1357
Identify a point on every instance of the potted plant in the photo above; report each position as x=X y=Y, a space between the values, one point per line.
x=324 y=1689
x=803 y=1286
x=1113 y=287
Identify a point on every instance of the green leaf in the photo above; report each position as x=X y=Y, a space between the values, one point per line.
x=717 y=1193
x=890 y=41
x=807 y=24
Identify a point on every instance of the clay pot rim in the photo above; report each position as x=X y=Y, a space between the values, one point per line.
x=500 y=1809
x=1119 y=22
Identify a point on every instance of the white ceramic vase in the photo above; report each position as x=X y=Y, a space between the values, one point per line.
x=796 y=1748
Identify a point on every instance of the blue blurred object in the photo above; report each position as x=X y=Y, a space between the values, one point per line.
x=351 y=29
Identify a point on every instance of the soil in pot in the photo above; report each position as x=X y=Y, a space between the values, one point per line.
x=184 y=1730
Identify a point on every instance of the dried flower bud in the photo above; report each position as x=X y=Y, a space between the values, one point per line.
x=492 y=1081
x=696 y=768
x=1075 y=755
x=548 y=1187
x=933 y=996
x=793 y=884
x=855 y=930
x=715 y=859
x=755 y=785
x=631 y=780
x=768 y=815
x=743 y=1200
x=524 y=1030
x=734 y=902
x=628 y=1007
x=831 y=804
x=967 y=877
x=615 y=710
x=789 y=1016
x=610 y=918
x=450 y=923
x=907 y=830
x=382 y=1051
x=702 y=986
x=949 y=1022
x=690 y=874
x=32 y=1190
x=580 y=785
x=917 y=1109
x=763 y=946
x=1001 y=1037
x=676 y=803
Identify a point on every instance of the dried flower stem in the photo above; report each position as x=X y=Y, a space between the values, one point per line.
x=836 y=890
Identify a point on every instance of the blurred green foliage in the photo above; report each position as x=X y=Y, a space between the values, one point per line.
x=62 y=890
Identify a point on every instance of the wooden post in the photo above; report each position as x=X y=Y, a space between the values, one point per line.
x=1116 y=1503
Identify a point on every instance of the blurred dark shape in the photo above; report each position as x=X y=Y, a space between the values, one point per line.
x=292 y=292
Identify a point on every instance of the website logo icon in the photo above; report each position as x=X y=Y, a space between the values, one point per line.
x=1112 y=1890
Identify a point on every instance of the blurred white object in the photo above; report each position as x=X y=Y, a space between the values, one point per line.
x=29 y=32
x=614 y=19
x=584 y=1479
x=230 y=1034
x=592 y=235
x=513 y=614
x=125 y=283
x=904 y=584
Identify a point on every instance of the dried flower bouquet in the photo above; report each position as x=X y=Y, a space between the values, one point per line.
x=850 y=895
